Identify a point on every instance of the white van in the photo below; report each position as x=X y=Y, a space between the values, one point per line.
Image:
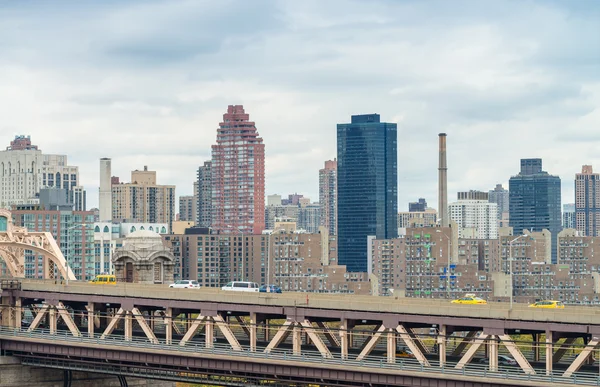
x=241 y=286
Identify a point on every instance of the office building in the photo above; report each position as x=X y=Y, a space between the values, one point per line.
x=72 y=230
x=187 y=208
x=568 y=216
x=204 y=206
x=143 y=200
x=328 y=196
x=587 y=202
x=535 y=201
x=418 y=206
x=238 y=175
x=24 y=170
x=472 y=195
x=476 y=218
x=367 y=187
x=499 y=195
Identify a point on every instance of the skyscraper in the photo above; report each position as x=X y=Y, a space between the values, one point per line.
x=238 y=175
x=186 y=208
x=143 y=200
x=534 y=201
x=328 y=196
x=568 y=216
x=418 y=206
x=499 y=195
x=475 y=216
x=204 y=187
x=587 y=201
x=367 y=187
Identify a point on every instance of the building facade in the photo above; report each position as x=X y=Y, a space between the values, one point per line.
x=476 y=219
x=143 y=200
x=238 y=175
x=535 y=201
x=587 y=201
x=367 y=187
x=187 y=208
x=568 y=216
x=204 y=187
x=309 y=217
x=418 y=206
x=24 y=170
x=412 y=219
x=328 y=196
x=500 y=196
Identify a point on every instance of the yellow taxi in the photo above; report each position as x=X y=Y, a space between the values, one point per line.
x=548 y=304
x=470 y=299
x=104 y=280
x=404 y=353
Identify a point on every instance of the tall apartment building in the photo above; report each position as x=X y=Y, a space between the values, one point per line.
x=476 y=219
x=367 y=187
x=204 y=205
x=500 y=196
x=328 y=196
x=415 y=219
x=78 y=197
x=72 y=230
x=24 y=170
x=587 y=201
x=472 y=195
x=568 y=216
x=187 y=209
x=143 y=200
x=278 y=211
x=309 y=217
x=238 y=175
x=535 y=201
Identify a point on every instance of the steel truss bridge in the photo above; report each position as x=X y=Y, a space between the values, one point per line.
x=233 y=338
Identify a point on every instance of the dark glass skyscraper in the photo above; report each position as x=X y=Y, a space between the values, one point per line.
x=534 y=201
x=367 y=187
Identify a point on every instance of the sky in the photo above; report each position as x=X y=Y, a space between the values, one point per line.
x=147 y=82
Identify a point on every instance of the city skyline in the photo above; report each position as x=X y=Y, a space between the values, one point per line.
x=500 y=78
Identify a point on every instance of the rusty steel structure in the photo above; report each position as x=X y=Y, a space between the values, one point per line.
x=342 y=331
x=14 y=241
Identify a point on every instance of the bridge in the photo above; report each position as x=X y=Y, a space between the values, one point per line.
x=236 y=338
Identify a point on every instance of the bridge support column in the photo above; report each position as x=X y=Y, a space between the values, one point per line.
x=344 y=333
x=128 y=326
x=391 y=346
x=412 y=344
x=90 y=319
x=52 y=322
x=209 y=333
x=18 y=313
x=535 y=344
x=266 y=332
x=297 y=340
x=252 y=329
x=441 y=344
x=493 y=353
x=549 y=351
x=169 y=326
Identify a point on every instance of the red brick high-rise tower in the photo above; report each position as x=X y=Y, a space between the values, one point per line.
x=238 y=175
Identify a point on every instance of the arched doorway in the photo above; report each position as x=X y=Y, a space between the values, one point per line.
x=129 y=272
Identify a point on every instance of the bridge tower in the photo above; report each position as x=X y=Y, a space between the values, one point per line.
x=15 y=240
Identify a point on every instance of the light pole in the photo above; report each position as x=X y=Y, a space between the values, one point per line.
x=510 y=271
x=448 y=264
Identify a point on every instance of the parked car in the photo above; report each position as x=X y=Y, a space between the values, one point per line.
x=185 y=284
x=502 y=360
x=269 y=289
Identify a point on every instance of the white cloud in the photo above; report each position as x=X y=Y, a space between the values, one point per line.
x=146 y=83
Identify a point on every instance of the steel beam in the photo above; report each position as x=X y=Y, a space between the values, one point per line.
x=408 y=340
x=192 y=329
x=296 y=340
x=333 y=340
x=252 y=332
x=581 y=358
x=344 y=339
x=463 y=344
x=371 y=343
x=549 y=350
x=66 y=317
x=562 y=349
x=441 y=343
x=418 y=341
x=209 y=332
x=479 y=340
x=493 y=354
x=41 y=312
x=91 y=317
x=144 y=325
x=168 y=319
x=391 y=346
x=52 y=319
x=508 y=342
x=113 y=323
x=229 y=336
x=310 y=331
x=281 y=334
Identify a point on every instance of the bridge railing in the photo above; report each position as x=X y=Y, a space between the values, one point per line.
x=312 y=357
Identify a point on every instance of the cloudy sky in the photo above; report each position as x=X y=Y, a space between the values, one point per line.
x=146 y=83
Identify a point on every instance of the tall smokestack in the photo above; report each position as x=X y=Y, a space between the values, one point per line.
x=443 y=184
x=105 y=199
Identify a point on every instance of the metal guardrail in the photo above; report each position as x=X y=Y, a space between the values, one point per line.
x=312 y=357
